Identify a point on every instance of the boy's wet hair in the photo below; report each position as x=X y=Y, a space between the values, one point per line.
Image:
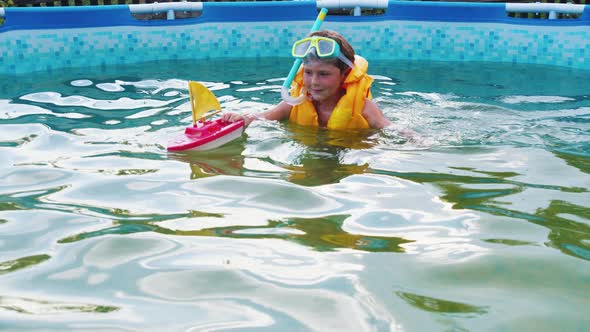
x=345 y=48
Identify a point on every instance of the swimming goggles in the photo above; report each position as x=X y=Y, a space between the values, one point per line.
x=324 y=48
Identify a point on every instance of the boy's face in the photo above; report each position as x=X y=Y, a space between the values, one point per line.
x=322 y=80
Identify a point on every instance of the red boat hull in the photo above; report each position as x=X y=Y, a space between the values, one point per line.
x=207 y=135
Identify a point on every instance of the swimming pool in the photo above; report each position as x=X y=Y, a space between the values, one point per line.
x=483 y=225
x=41 y=39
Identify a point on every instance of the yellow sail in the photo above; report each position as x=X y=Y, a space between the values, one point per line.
x=202 y=100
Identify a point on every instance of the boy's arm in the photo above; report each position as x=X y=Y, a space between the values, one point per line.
x=374 y=116
x=279 y=112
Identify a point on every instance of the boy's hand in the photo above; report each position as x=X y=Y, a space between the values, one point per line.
x=233 y=117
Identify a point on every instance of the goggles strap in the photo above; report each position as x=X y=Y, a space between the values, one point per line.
x=345 y=60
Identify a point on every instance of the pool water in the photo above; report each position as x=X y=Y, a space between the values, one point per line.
x=479 y=222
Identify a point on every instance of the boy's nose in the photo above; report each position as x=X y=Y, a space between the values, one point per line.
x=314 y=79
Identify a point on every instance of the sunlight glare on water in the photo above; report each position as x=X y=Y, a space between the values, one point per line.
x=480 y=220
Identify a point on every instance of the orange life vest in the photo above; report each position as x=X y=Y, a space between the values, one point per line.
x=348 y=111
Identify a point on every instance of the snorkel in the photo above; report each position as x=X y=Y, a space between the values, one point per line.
x=297 y=63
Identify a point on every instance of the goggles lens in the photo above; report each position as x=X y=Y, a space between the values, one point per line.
x=326 y=47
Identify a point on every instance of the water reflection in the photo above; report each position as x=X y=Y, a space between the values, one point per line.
x=226 y=160
x=22 y=263
x=316 y=159
x=568 y=223
x=321 y=138
x=578 y=160
x=41 y=307
x=322 y=234
x=431 y=304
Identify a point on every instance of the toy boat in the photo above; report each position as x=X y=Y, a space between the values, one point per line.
x=205 y=135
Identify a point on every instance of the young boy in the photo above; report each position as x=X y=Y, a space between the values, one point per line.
x=335 y=83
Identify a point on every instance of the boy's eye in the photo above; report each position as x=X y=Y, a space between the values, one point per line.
x=320 y=73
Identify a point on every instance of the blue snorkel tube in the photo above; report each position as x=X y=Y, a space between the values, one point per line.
x=287 y=85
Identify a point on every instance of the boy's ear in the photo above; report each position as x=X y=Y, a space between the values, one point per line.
x=344 y=77
x=346 y=72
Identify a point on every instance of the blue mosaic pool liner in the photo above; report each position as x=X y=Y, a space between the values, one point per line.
x=50 y=38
